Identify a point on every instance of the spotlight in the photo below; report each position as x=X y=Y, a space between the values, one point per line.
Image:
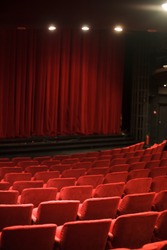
x=51 y=28
x=164 y=6
x=85 y=28
x=118 y=29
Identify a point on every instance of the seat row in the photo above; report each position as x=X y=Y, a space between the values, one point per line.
x=131 y=231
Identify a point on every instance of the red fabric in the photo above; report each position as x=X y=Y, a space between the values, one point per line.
x=63 y=82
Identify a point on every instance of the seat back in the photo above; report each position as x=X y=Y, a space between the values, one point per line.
x=34 y=237
x=20 y=185
x=138 y=185
x=137 y=165
x=12 y=177
x=57 y=212
x=46 y=175
x=158 y=171
x=59 y=183
x=5 y=170
x=98 y=170
x=4 y=185
x=98 y=208
x=8 y=196
x=160 y=201
x=93 y=180
x=80 y=193
x=160 y=232
x=133 y=230
x=109 y=190
x=159 y=183
x=138 y=173
x=37 y=195
x=135 y=203
x=35 y=169
x=73 y=173
x=119 y=168
x=115 y=177
x=86 y=235
x=11 y=215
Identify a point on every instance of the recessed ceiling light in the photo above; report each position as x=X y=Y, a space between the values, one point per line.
x=118 y=29
x=51 y=28
x=85 y=28
x=164 y=6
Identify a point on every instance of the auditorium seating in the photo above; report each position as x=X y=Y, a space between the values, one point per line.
x=5 y=170
x=34 y=237
x=20 y=185
x=35 y=169
x=12 y=177
x=138 y=173
x=119 y=168
x=80 y=193
x=138 y=185
x=158 y=171
x=135 y=203
x=159 y=183
x=160 y=231
x=4 y=185
x=57 y=212
x=160 y=201
x=97 y=170
x=98 y=208
x=93 y=180
x=23 y=164
x=109 y=190
x=115 y=177
x=60 y=167
x=8 y=196
x=46 y=175
x=18 y=214
x=37 y=195
x=76 y=173
x=83 y=235
x=59 y=183
x=132 y=230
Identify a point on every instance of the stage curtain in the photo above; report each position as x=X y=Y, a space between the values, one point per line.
x=60 y=83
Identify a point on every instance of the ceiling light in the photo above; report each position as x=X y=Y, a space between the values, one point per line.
x=85 y=28
x=51 y=28
x=164 y=6
x=118 y=29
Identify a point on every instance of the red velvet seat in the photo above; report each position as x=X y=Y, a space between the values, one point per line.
x=8 y=196
x=93 y=180
x=37 y=195
x=135 y=203
x=60 y=167
x=5 y=170
x=136 y=165
x=119 y=168
x=12 y=177
x=159 y=183
x=158 y=171
x=101 y=163
x=20 y=185
x=11 y=215
x=76 y=173
x=97 y=170
x=158 y=245
x=132 y=230
x=138 y=173
x=40 y=159
x=138 y=185
x=109 y=190
x=98 y=208
x=152 y=164
x=46 y=175
x=21 y=158
x=4 y=185
x=160 y=231
x=29 y=237
x=59 y=183
x=25 y=163
x=35 y=169
x=83 y=235
x=57 y=212
x=160 y=201
x=80 y=193
x=115 y=177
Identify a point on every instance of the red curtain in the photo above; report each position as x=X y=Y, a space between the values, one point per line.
x=58 y=83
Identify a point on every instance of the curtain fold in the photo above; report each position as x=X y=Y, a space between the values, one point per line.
x=60 y=83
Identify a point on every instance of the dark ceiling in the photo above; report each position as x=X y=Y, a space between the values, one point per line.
x=134 y=15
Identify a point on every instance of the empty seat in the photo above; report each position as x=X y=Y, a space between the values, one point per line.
x=46 y=175
x=80 y=193
x=60 y=167
x=8 y=196
x=138 y=173
x=135 y=203
x=5 y=170
x=7 y=164
x=92 y=154
x=34 y=237
x=23 y=164
x=20 y=158
x=4 y=185
x=12 y=177
x=160 y=201
x=138 y=185
x=119 y=168
x=83 y=235
x=40 y=159
x=35 y=169
x=160 y=231
x=133 y=159
x=137 y=165
x=146 y=158
x=37 y=195
x=84 y=164
x=117 y=161
x=18 y=214
x=73 y=173
x=101 y=163
x=20 y=185
x=57 y=212
x=152 y=164
x=115 y=177
x=59 y=183
x=158 y=171
x=159 y=183
x=163 y=162
x=98 y=208
x=98 y=170
x=109 y=190
x=158 y=245
x=93 y=180
x=50 y=162
x=88 y=158
x=70 y=161
x=156 y=156
x=132 y=230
